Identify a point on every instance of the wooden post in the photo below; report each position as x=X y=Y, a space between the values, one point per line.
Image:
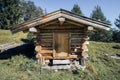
x=85 y=48
x=54 y=52
x=38 y=49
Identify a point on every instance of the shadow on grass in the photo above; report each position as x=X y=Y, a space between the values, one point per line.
x=116 y=47
x=26 y=49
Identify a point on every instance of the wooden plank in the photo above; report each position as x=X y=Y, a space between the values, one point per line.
x=86 y=22
x=63 y=58
x=57 y=67
x=75 y=23
x=76 y=38
x=46 y=44
x=43 y=34
x=60 y=58
x=73 y=56
x=47 y=47
x=61 y=62
x=75 y=44
x=46 y=52
x=47 y=57
x=70 y=43
x=58 y=30
x=61 y=42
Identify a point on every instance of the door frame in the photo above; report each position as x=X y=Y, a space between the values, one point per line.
x=68 y=40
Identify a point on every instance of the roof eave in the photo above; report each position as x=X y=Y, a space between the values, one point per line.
x=57 y=14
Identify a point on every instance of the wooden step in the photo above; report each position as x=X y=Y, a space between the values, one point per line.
x=61 y=62
x=57 y=67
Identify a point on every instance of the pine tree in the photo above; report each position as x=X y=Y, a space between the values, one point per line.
x=100 y=35
x=117 y=22
x=116 y=35
x=76 y=9
x=98 y=14
x=17 y=11
x=11 y=12
x=31 y=11
x=116 y=32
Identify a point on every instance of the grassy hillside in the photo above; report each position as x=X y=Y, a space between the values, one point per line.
x=100 y=66
x=6 y=36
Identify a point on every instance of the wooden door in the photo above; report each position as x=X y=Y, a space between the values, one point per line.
x=61 y=42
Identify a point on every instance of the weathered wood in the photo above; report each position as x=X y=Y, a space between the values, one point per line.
x=61 y=35
x=57 y=67
x=43 y=58
x=49 y=39
x=85 y=50
x=46 y=52
x=61 y=62
x=61 y=54
x=73 y=56
x=60 y=30
x=55 y=15
x=61 y=42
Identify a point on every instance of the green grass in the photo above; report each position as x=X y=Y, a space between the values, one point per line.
x=105 y=67
x=99 y=66
x=6 y=36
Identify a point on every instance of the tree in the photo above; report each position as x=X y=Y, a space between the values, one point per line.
x=76 y=9
x=17 y=11
x=100 y=35
x=116 y=33
x=117 y=22
x=31 y=11
x=98 y=14
x=11 y=12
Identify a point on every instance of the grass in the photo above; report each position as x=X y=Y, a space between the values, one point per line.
x=105 y=67
x=6 y=37
x=99 y=66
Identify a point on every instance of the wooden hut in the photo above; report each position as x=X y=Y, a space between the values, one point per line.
x=61 y=35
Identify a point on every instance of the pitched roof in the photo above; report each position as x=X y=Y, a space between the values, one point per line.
x=57 y=14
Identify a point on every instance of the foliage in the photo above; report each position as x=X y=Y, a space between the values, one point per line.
x=117 y=22
x=31 y=11
x=17 y=11
x=100 y=35
x=11 y=12
x=76 y=9
x=116 y=35
x=116 y=32
x=31 y=37
x=98 y=14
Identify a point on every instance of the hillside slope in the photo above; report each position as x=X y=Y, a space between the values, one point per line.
x=100 y=65
x=6 y=36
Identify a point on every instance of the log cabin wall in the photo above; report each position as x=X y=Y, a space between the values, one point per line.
x=74 y=40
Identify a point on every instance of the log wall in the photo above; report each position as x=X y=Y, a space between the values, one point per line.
x=77 y=43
